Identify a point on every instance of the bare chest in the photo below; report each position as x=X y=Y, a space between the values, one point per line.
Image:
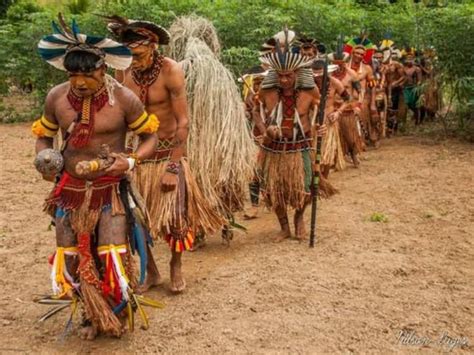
x=152 y=94
x=107 y=120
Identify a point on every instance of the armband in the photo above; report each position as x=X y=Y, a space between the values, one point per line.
x=356 y=86
x=145 y=124
x=44 y=128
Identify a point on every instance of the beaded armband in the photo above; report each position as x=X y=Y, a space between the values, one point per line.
x=173 y=167
x=44 y=128
x=145 y=124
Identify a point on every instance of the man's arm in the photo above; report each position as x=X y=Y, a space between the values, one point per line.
x=402 y=77
x=256 y=114
x=47 y=126
x=177 y=88
x=139 y=122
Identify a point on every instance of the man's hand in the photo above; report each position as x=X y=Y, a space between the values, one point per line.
x=119 y=166
x=169 y=182
x=322 y=130
x=334 y=116
x=49 y=178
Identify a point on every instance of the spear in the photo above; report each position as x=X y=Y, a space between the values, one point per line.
x=316 y=170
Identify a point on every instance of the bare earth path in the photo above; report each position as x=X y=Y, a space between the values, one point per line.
x=356 y=291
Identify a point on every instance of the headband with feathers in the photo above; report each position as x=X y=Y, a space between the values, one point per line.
x=118 y=25
x=361 y=42
x=284 y=60
x=54 y=48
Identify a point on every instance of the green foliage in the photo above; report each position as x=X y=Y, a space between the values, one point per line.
x=77 y=7
x=243 y=25
x=378 y=217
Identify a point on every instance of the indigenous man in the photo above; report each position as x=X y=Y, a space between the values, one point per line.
x=92 y=259
x=178 y=210
x=394 y=77
x=252 y=100
x=361 y=51
x=332 y=153
x=310 y=47
x=431 y=94
x=411 y=84
x=288 y=99
x=378 y=121
x=349 y=124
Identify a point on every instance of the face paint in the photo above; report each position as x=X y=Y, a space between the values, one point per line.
x=142 y=56
x=86 y=84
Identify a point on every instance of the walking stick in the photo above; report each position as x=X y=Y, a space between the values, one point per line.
x=316 y=172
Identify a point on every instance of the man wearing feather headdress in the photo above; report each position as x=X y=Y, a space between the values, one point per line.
x=177 y=207
x=332 y=152
x=288 y=104
x=90 y=206
x=348 y=117
x=361 y=50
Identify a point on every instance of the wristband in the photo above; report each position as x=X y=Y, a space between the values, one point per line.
x=131 y=164
x=173 y=167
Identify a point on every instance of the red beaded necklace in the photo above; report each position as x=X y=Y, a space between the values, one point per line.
x=86 y=107
x=144 y=79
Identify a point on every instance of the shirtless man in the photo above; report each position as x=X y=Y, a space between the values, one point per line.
x=349 y=122
x=178 y=210
x=91 y=109
x=367 y=82
x=287 y=142
x=413 y=78
x=395 y=78
x=330 y=154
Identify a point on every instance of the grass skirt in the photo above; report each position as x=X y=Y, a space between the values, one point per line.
x=286 y=178
x=351 y=139
x=332 y=153
x=164 y=208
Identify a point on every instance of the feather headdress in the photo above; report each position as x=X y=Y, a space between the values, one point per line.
x=284 y=59
x=361 y=42
x=339 y=55
x=118 y=25
x=54 y=48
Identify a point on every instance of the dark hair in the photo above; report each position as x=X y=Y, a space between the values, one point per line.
x=318 y=64
x=81 y=62
x=129 y=36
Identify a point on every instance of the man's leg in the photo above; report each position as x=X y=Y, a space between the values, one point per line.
x=153 y=277
x=300 y=227
x=66 y=242
x=179 y=231
x=282 y=216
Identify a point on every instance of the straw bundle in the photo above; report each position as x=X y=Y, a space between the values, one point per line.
x=221 y=151
x=187 y=27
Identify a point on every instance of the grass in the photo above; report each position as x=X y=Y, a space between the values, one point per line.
x=378 y=217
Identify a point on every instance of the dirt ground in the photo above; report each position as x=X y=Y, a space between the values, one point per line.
x=377 y=287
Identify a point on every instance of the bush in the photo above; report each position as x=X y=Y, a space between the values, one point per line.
x=244 y=24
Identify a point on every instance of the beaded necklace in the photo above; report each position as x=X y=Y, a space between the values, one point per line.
x=144 y=79
x=86 y=108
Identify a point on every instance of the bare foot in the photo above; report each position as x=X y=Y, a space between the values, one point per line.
x=282 y=235
x=177 y=281
x=251 y=213
x=300 y=227
x=355 y=160
x=152 y=280
x=88 y=332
